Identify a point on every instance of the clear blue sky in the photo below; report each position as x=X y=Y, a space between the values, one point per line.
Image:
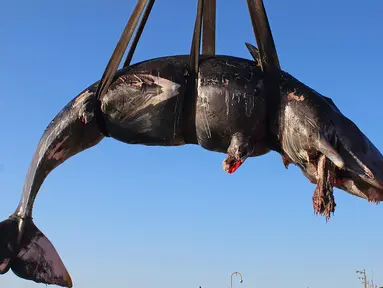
x=135 y=216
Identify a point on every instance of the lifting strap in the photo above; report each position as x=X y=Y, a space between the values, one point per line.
x=270 y=64
x=138 y=34
x=116 y=58
x=190 y=100
x=208 y=27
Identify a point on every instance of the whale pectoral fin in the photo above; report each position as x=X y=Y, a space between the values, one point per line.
x=38 y=260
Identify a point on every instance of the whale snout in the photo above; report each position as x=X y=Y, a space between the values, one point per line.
x=363 y=172
x=330 y=150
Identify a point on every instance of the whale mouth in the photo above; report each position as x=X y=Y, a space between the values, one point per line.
x=360 y=186
x=359 y=176
x=362 y=174
x=322 y=172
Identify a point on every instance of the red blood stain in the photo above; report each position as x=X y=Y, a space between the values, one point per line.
x=339 y=182
x=233 y=167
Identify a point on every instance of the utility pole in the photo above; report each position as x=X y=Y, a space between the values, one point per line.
x=364 y=278
x=373 y=285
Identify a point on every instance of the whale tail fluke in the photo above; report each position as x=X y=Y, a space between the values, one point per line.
x=29 y=254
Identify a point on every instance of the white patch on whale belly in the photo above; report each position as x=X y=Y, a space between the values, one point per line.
x=166 y=90
x=169 y=89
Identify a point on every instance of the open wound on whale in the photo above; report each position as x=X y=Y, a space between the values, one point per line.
x=238 y=151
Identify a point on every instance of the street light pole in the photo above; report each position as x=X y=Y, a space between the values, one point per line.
x=231 y=278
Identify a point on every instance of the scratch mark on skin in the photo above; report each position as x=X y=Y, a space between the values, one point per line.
x=81 y=99
x=227 y=96
x=230 y=65
x=78 y=103
x=86 y=117
x=140 y=81
x=249 y=105
x=238 y=95
x=158 y=81
x=251 y=77
x=60 y=154
x=47 y=140
x=176 y=117
x=364 y=167
x=292 y=96
x=246 y=105
x=227 y=101
x=205 y=106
